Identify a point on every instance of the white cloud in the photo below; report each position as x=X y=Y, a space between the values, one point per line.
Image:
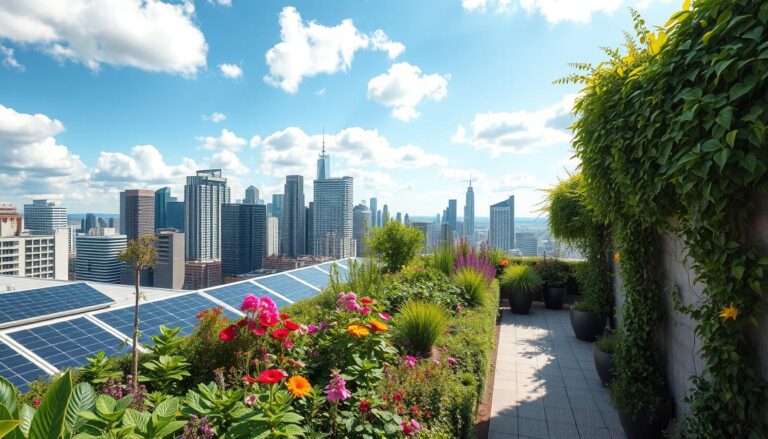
x=229 y=161
x=519 y=180
x=231 y=70
x=225 y=3
x=404 y=86
x=366 y=179
x=460 y=136
x=144 y=164
x=522 y=131
x=320 y=92
x=228 y=140
x=215 y=117
x=568 y=163
x=255 y=141
x=151 y=35
x=380 y=41
x=554 y=11
x=292 y=151
x=8 y=59
x=306 y=50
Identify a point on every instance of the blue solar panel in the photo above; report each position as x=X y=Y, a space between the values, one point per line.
x=234 y=294
x=342 y=272
x=17 y=369
x=174 y=312
x=312 y=276
x=23 y=305
x=344 y=263
x=68 y=343
x=287 y=286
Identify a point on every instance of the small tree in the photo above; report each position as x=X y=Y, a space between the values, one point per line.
x=396 y=244
x=140 y=254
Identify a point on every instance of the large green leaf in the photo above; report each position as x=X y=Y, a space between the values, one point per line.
x=83 y=399
x=48 y=422
x=169 y=428
x=167 y=409
x=8 y=396
x=26 y=414
x=7 y=426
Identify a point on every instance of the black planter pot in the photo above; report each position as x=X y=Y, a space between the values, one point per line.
x=554 y=297
x=640 y=426
x=603 y=364
x=520 y=303
x=587 y=325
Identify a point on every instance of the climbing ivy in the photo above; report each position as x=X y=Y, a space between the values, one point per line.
x=671 y=133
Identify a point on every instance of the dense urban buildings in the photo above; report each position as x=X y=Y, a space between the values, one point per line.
x=175 y=217
x=42 y=217
x=374 y=217
x=425 y=227
x=469 y=214
x=202 y=274
x=527 y=243
x=361 y=218
x=137 y=207
x=243 y=238
x=450 y=214
x=90 y=220
x=162 y=198
x=97 y=256
x=252 y=195
x=43 y=256
x=169 y=270
x=333 y=217
x=502 y=225
x=292 y=226
x=204 y=194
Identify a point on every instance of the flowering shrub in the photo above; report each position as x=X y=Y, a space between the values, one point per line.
x=478 y=261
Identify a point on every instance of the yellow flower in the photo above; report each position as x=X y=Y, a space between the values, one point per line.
x=617 y=257
x=358 y=330
x=298 y=386
x=378 y=326
x=729 y=312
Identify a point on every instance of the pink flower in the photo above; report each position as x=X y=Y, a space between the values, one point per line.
x=452 y=362
x=269 y=319
x=312 y=328
x=436 y=361
x=459 y=307
x=347 y=302
x=250 y=400
x=287 y=344
x=411 y=428
x=410 y=360
x=336 y=389
x=385 y=316
x=250 y=303
x=366 y=310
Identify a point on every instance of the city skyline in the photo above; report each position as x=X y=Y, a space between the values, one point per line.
x=406 y=114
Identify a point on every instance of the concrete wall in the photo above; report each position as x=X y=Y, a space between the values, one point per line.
x=679 y=345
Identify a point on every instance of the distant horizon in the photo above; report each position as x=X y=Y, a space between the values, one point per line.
x=528 y=218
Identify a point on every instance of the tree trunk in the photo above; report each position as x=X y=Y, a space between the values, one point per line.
x=135 y=357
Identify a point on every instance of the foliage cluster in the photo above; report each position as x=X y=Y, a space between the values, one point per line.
x=396 y=244
x=520 y=280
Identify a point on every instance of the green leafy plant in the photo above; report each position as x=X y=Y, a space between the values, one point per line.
x=220 y=406
x=99 y=369
x=443 y=257
x=396 y=244
x=165 y=373
x=473 y=285
x=168 y=342
x=608 y=343
x=159 y=424
x=551 y=272
x=420 y=324
x=520 y=279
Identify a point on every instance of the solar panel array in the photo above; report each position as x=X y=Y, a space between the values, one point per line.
x=67 y=343
x=57 y=300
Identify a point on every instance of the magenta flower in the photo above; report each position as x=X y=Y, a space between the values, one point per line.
x=410 y=360
x=336 y=389
x=385 y=315
x=366 y=310
x=347 y=302
x=312 y=328
x=452 y=361
x=250 y=303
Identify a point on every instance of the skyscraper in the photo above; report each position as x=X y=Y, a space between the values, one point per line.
x=407 y=219
x=97 y=256
x=292 y=226
x=373 y=206
x=204 y=194
x=90 y=219
x=251 y=195
x=469 y=214
x=333 y=217
x=502 y=227
x=450 y=214
x=323 y=164
x=426 y=229
x=139 y=212
x=162 y=198
x=399 y=217
x=169 y=271
x=43 y=256
x=243 y=237
x=273 y=237
x=277 y=206
x=527 y=243
x=42 y=217
x=309 y=225
x=384 y=215
x=175 y=216
x=361 y=218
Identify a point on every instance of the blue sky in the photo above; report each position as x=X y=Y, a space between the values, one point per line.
x=413 y=95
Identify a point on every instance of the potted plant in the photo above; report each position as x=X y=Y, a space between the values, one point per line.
x=602 y=352
x=587 y=321
x=518 y=283
x=554 y=277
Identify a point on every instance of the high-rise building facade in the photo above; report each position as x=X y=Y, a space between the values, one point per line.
x=527 y=243
x=277 y=206
x=162 y=198
x=333 y=217
x=42 y=217
x=243 y=238
x=97 y=256
x=169 y=270
x=204 y=194
x=469 y=215
x=202 y=274
x=42 y=256
x=361 y=218
x=384 y=215
x=292 y=227
x=502 y=225
x=90 y=219
x=138 y=209
x=309 y=226
x=450 y=214
x=323 y=164
x=251 y=195
x=273 y=236
x=374 y=206
x=175 y=217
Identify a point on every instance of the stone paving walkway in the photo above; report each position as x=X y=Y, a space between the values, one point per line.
x=545 y=383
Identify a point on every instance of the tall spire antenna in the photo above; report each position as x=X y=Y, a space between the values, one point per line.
x=323 y=153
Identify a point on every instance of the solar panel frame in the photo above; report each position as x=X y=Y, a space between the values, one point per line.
x=27 y=306
x=177 y=311
x=312 y=275
x=233 y=294
x=67 y=343
x=286 y=286
x=17 y=368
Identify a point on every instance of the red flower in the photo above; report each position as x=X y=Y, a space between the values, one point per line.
x=271 y=376
x=416 y=411
x=284 y=316
x=366 y=301
x=364 y=406
x=290 y=325
x=287 y=344
x=201 y=314
x=258 y=331
x=243 y=322
x=280 y=334
x=268 y=319
x=228 y=333
x=249 y=379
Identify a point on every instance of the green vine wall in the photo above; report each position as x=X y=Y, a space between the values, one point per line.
x=672 y=136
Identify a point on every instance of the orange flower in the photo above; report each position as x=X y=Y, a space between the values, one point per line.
x=729 y=312
x=617 y=257
x=298 y=386
x=504 y=262
x=358 y=330
x=377 y=326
